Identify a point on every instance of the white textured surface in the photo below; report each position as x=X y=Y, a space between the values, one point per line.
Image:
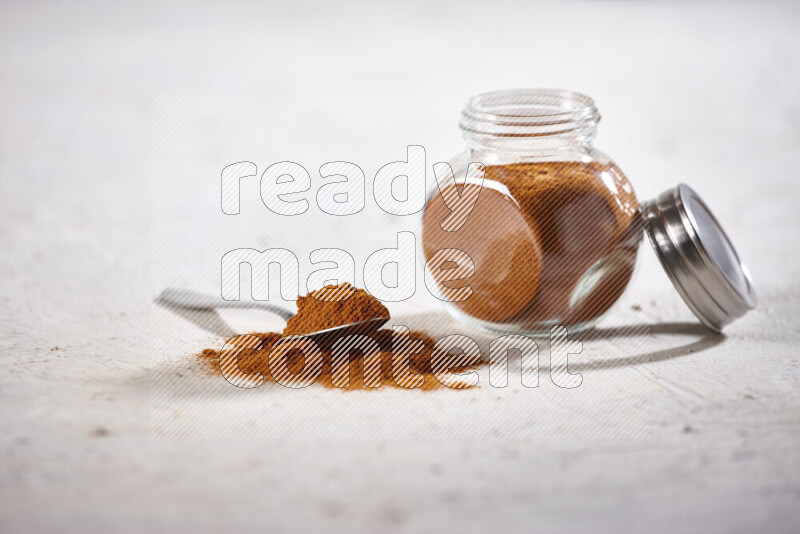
x=712 y=88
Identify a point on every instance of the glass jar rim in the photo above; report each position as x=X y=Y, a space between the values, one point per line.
x=529 y=112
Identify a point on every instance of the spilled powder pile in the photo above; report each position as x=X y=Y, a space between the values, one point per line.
x=329 y=307
x=256 y=360
x=369 y=367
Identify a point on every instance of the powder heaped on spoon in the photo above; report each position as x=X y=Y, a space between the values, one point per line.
x=333 y=306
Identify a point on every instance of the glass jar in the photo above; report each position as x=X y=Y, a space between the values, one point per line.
x=545 y=229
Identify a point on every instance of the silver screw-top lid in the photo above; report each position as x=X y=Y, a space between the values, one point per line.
x=698 y=257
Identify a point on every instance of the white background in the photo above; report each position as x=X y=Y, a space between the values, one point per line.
x=702 y=93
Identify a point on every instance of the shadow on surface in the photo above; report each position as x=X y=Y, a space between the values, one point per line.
x=440 y=324
x=704 y=339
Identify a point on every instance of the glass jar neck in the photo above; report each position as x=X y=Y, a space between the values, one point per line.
x=528 y=124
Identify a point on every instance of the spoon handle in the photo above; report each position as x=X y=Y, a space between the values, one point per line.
x=184 y=298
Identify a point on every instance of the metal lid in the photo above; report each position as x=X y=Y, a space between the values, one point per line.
x=698 y=257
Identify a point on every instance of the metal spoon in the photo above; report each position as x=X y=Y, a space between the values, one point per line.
x=191 y=300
